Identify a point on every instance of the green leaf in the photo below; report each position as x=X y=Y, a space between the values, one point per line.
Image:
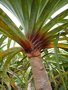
x=2 y=39
x=33 y=15
x=9 y=51
x=9 y=28
x=14 y=7
x=50 y=6
x=57 y=19
x=9 y=43
x=63 y=73
x=59 y=28
x=65 y=21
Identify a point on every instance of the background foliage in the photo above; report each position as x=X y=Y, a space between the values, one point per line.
x=17 y=67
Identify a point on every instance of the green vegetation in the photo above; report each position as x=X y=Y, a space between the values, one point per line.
x=21 y=67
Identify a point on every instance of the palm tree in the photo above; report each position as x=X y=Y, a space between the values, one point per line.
x=38 y=33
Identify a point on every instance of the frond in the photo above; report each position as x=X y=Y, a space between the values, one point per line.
x=33 y=15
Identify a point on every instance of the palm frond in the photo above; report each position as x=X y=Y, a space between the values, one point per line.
x=33 y=15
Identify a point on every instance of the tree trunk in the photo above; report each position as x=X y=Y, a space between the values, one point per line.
x=39 y=74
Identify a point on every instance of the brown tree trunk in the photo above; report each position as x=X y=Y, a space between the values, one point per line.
x=39 y=74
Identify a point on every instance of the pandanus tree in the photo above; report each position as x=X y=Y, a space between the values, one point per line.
x=38 y=33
